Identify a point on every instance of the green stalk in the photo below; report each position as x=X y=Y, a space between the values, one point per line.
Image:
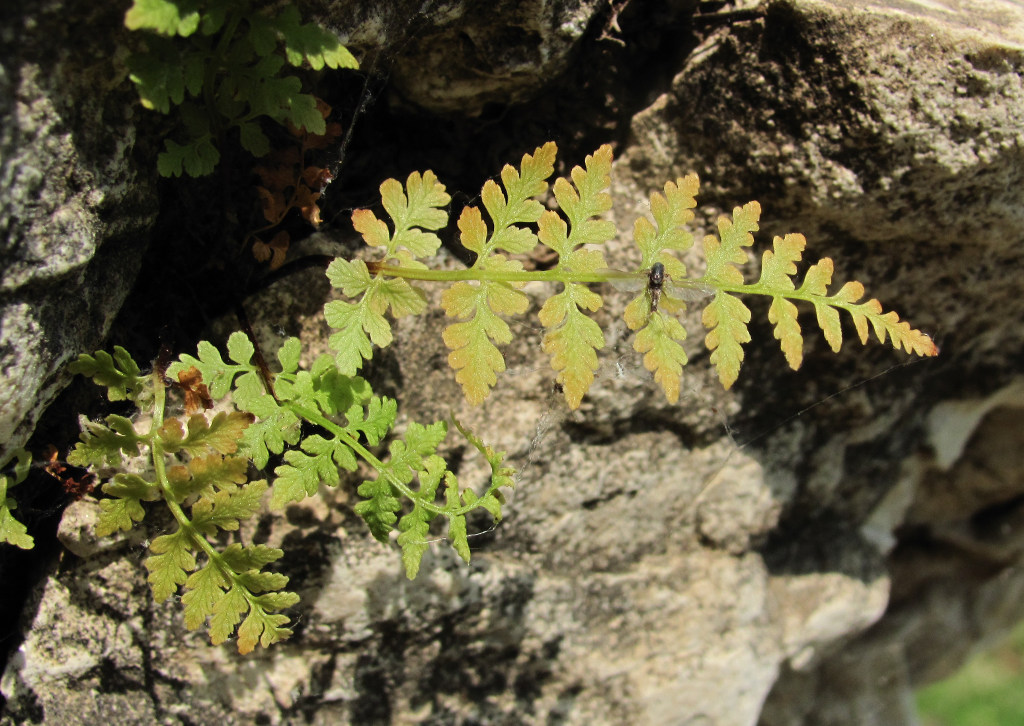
x=160 y=468
x=367 y=455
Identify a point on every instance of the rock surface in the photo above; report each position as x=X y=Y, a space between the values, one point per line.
x=803 y=549
x=74 y=207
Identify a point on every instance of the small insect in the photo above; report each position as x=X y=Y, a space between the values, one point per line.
x=657 y=282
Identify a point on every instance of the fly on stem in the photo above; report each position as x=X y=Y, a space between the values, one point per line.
x=655 y=282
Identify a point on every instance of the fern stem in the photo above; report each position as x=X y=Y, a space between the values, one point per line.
x=563 y=276
x=350 y=441
x=160 y=469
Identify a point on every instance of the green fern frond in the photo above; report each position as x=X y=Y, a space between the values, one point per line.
x=305 y=470
x=206 y=491
x=309 y=43
x=228 y=56
x=198 y=466
x=118 y=373
x=406 y=459
x=11 y=530
x=166 y=17
x=324 y=396
x=124 y=509
x=415 y=525
x=105 y=445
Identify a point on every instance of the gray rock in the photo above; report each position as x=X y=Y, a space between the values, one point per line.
x=74 y=208
x=455 y=57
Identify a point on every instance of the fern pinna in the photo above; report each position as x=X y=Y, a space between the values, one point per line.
x=197 y=463
x=490 y=288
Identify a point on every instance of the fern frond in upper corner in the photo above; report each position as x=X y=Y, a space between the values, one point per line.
x=228 y=56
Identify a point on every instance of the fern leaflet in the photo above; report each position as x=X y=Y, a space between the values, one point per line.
x=659 y=333
x=414 y=213
x=573 y=338
x=475 y=356
x=726 y=316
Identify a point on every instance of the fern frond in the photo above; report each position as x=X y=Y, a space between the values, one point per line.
x=826 y=308
x=778 y=265
x=220 y=434
x=316 y=395
x=206 y=491
x=303 y=471
x=118 y=373
x=415 y=526
x=475 y=356
x=573 y=338
x=308 y=42
x=105 y=445
x=274 y=426
x=203 y=474
x=124 y=510
x=727 y=316
x=11 y=530
x=406 y=459
x=519 y=207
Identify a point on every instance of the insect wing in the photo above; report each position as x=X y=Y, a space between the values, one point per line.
x=625 y=281
x=692 y=292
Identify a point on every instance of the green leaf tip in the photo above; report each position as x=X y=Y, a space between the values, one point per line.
x=12 y=531
x=118 y=373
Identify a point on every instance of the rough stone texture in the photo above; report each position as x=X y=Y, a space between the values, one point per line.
x=73 y=207
x=801 y=550
x=455 y=57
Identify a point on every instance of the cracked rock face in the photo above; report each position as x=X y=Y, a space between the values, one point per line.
x=74 y=210
x=784 y=553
